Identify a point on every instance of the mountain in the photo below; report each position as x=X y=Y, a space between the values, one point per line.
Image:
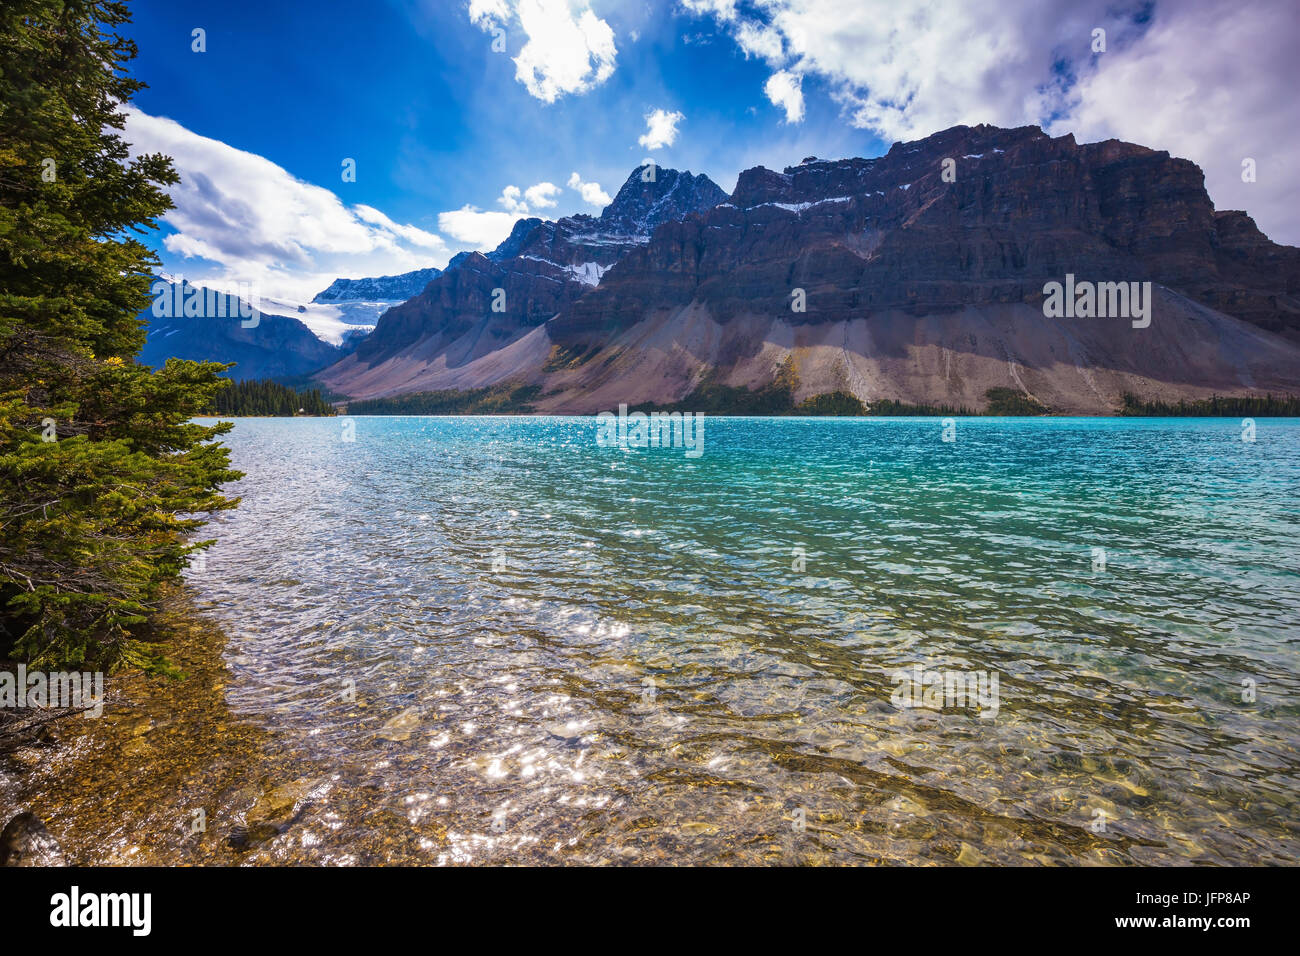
x=541 y=268
x=397 y=288
x=277 y=346
x=346 y=311
x=922 y=274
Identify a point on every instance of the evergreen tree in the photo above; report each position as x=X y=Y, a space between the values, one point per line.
x=102 y=476
x=267 y=397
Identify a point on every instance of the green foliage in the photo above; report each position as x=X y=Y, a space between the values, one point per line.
x=563 y=357
x=506 y=399
x=306 y=383
x=711 y=398
x=716 y=399
x=265 y=397
x=832 y=404
x=103 y=478
x=1007 y=401
x=891 y=408
x=1284 y=406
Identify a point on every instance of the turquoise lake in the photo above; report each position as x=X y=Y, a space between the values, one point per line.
x=497 y=641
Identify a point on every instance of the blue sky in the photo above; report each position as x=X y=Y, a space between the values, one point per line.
x=436 y=120
x=440 y=125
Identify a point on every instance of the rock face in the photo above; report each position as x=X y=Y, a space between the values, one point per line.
x=360 y=302
x=542 y=268
x=921 y=276
x=1257 y=280
x=278 y=346
x=397 y=288
x=26 y=842
x=863 y=236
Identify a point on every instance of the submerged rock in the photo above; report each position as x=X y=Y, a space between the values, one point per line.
x=280 y=801
x=275 y=812
x=26 y=842
x=969 y=856
x=566 y=733
x=402 y=726
x=243 y=839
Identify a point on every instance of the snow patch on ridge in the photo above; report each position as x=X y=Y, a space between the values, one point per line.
x=588 y=273
x=329 y=322
x=798 y=207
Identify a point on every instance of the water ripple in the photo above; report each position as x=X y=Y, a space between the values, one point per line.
x=561 y=652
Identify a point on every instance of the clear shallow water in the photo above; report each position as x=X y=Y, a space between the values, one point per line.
x=566 y=653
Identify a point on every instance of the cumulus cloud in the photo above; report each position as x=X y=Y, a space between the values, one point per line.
x=724 y=10
x=488 y=13
x=784 y=89
x=904 y=70
x=569 y=49
x=761 y=41
x=591 y=192
x=542 y=195
x=251 y=220
x=483 y=230
x=1204 y=79
x=511 y=199
x=660 y=129
x=521 y=203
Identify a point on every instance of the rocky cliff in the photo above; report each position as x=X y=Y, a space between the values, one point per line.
x=916 y=276
x=541 y=268
x=396 y=288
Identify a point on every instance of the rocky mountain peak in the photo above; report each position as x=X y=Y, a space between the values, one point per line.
x=519 y=236
x=651 y=196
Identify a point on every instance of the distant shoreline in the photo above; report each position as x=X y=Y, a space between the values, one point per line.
x=778 y=401
x=963 y=415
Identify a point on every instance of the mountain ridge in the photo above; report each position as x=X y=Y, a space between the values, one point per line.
x=922 y=276
x=378 y=288
x=276 y=346
x=541 y=267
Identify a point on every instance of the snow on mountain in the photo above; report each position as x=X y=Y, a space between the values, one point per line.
x=396 y=288
x=350 y=308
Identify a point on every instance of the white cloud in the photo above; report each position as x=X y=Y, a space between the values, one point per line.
x=481 y=230
x=760 y=41
x=591 y=192
x=1214 y=89
x=541 y=195
x=660 y=129
x=906 y=71
x=537 y=196
x=511 y=200
x=253 y=221
x=488 y=13
x=569 y=49
x=412 y=234
x=724 y=10
x=1202 y=79
x=784 y=90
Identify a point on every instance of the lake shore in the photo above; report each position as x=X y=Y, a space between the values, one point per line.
x=167 y=775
